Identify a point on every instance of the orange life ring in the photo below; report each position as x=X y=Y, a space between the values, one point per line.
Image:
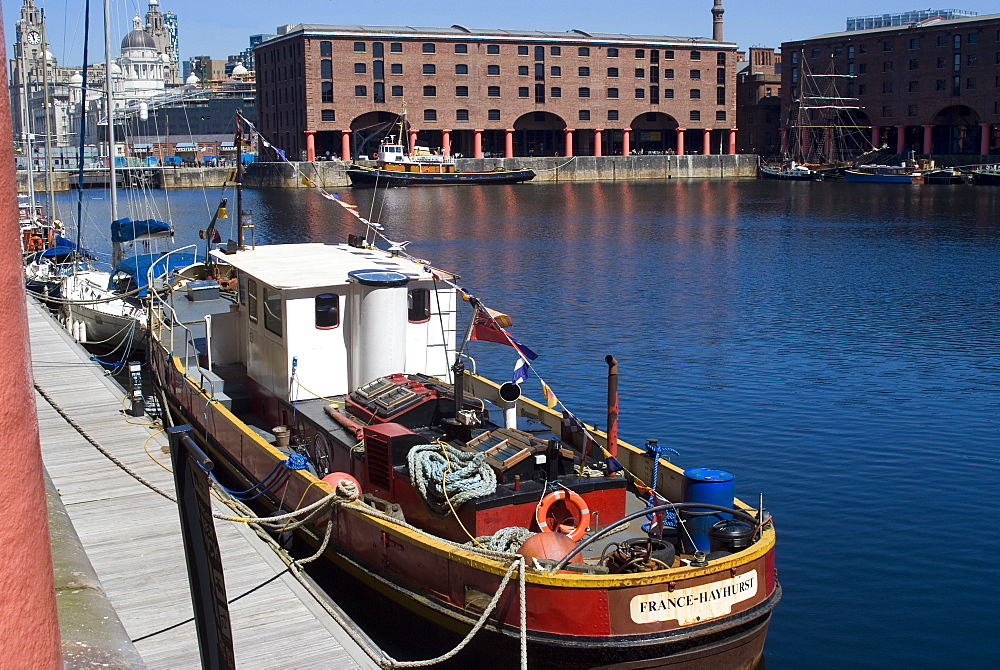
x=576 y=506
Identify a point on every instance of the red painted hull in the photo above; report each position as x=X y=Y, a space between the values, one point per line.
x=572 y=620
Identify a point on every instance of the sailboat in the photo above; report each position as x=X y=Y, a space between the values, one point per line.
x=328 y=384
x=109 y=307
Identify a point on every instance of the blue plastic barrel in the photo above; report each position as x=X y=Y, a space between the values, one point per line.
x=710 y=486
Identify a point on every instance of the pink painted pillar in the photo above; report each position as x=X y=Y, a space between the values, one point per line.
x=900 y=139
x=984 y=139
x=345 y=145
x=310 y=145
x=413 y=139
x=784 y=140
x=477 y=143
x=680 y=141
x=732 y=141
x=876 y=137
x=29 y=628
x=446 y=141
x=626 y=141
x=928 y=141
x=706 y=142
x=828 y=141
x=597 y=141
x=508 y=143
x=569 y=143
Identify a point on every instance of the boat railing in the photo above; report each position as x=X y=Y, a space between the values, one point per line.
x=166 y=266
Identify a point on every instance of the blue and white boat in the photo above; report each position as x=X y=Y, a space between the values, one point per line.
x=883 y=174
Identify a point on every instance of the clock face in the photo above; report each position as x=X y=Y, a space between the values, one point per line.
x=34 y=38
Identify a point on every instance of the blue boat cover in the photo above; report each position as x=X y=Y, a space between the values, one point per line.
x=60 y=250
x=138 y=266
x=127 y=230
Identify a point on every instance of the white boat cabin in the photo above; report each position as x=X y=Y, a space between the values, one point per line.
x=334 y=316
x=391 y=153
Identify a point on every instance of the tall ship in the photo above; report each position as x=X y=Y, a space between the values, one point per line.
x=827 y=128
x=334 y=381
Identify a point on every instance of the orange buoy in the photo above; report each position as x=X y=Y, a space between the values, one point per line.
x=548 y=545
x=550 y=516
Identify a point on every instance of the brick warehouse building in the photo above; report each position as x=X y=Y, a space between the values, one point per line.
x=507 y=93
x=931 y=87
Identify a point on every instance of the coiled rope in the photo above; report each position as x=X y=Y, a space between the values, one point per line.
x=446 y=477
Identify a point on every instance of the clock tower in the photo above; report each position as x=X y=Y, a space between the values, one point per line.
x=29 y=58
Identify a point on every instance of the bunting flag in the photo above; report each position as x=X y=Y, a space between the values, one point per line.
x=307 y=182
x=280 y=152
x=489 y=329
x=521 y=371
x=573 y=424
x=550 y=397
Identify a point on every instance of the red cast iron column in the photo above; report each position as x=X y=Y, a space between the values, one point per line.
x=508 y=143
x=310 y=145
x=29 y=628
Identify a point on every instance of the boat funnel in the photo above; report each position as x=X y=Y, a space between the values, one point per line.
x=509 y=393
x=376 y=325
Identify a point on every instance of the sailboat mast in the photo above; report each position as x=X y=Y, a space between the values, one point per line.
x=109 y=98
x=49 y=187
x=83 y=133
x=26 y=131
x=239 y=180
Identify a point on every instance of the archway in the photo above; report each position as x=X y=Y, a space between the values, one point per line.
x=956 y=131
x=369 y=129
x=653 y=133
x=539 y=134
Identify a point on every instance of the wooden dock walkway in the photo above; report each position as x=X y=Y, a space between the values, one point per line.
x=132 y=535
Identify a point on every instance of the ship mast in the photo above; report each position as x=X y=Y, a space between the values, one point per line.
x=116 y=254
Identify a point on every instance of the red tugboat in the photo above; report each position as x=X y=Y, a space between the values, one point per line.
x=327 y=374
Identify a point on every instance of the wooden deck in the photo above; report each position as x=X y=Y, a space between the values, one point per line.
x=132 y=535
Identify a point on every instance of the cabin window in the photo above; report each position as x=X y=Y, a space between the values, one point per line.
x=418 y=305
x=272 y=311
x=327 y=311
x=252 y=299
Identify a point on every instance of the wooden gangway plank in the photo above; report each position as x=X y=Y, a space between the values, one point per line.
x=132 y=535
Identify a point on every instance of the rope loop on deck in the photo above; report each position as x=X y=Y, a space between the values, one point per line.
x=443 y=475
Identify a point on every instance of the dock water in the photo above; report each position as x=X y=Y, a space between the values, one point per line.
x=131 y=536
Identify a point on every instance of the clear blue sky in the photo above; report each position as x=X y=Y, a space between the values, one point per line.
x=218 y=28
